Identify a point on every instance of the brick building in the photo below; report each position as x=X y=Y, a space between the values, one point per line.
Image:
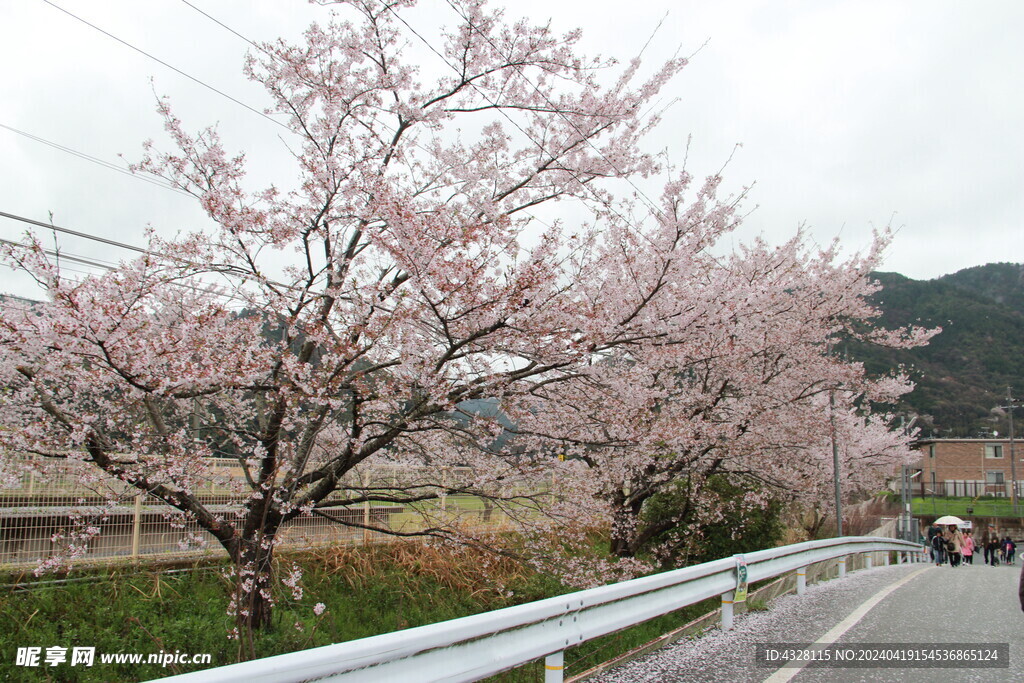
x=967 y=467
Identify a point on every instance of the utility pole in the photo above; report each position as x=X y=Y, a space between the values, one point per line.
x=904 y=503
x=906 y=497
x=835 y=462
x=1013 y=456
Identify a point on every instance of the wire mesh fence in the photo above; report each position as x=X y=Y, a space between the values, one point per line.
x=66 y=509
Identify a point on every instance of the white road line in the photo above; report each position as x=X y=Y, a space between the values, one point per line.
x=786 y=673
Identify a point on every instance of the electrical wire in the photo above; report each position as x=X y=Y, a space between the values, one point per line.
x=68 y=231
x=95 y=160
x=230 y=273
x=223 y=25
x=169 y=66
x=80 y=259
x=63 y=255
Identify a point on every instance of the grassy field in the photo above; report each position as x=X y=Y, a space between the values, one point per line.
x=979 y=507
x=366 y=591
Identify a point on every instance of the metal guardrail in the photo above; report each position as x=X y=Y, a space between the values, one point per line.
x=472 y=648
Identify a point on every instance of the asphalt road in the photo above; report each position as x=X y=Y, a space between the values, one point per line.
x=915 y=604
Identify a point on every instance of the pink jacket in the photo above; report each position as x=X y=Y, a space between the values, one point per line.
x=968 y=546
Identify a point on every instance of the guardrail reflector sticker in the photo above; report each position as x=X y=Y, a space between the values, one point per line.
x=741 y=579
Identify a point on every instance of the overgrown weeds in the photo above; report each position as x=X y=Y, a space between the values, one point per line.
x=364 y=591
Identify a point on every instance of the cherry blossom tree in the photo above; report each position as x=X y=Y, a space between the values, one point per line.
x=739 y=385
x=344 y=321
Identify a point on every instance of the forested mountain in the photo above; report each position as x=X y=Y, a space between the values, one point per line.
x=963 y=374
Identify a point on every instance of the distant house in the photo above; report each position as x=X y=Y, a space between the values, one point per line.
x=967 y=467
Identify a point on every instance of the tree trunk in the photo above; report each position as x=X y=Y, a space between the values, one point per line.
x=255 y=573
x=624 y=532
x=252 y=593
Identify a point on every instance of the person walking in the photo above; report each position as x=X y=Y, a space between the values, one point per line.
x=954 y=544
x=1011 y=548
x=938 y=549
x=993 y=551
x=968 y=548
x=933 y=531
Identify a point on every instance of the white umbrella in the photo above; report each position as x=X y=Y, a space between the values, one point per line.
x=948 y=519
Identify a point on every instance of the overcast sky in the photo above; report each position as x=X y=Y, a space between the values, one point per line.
x=852 y=114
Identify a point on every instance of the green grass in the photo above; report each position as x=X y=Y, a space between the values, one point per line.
x=142 y=613
x=367 y=591
x=985 y=506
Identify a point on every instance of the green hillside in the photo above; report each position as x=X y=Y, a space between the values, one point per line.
x=962 y=376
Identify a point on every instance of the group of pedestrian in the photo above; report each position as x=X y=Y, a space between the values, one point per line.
x=953 y=546
x=1000 y=550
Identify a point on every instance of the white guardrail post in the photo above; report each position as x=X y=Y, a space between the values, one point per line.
x=727 y=603
x=554 y=668
x=482 y=645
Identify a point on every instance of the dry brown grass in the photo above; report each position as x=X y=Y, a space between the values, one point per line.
x=457 y=568
x=863 y=518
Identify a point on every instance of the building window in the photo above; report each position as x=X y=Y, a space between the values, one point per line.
x=931 y=451
x=993 y=477
x=993 y=450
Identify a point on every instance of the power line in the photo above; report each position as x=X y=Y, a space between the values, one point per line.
x=252 y=277
x=63 y=255
x=95 y=160
x=222 y=25
x=68 y=231
x=172 y=68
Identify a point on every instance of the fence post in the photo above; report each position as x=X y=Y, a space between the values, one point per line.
x=444 y=488
x=727 y=601
x=137 y=526
x=801 y=580
x=842 y=567
x=554 y=668
x=869 y=561
x=365 y=476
